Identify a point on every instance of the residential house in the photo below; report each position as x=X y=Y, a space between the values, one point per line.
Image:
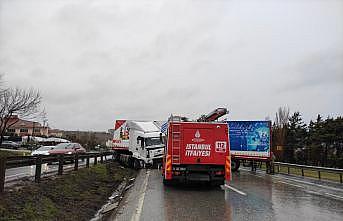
x=19 y=127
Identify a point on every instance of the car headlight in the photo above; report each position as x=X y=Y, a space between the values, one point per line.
x=69 y=152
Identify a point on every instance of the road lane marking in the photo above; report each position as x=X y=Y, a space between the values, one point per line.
x=333 y=195
x=19 y=174
x=314 y=184
x=137 y=215
x=300 y=181
x=290 y=184
x=234 y=189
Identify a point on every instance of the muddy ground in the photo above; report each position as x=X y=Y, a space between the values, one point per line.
x=74 y=196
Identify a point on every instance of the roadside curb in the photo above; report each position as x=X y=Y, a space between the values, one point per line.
x=114 y=200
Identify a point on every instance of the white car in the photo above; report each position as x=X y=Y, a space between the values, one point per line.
x=44 y=150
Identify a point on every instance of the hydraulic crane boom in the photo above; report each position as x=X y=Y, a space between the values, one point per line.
x=214 y=115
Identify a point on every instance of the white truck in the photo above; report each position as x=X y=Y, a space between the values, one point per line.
x=138 y=143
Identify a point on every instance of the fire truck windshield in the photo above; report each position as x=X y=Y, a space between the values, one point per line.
x=152 y=141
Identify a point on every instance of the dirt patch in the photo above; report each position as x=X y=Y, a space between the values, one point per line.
x=75 y=196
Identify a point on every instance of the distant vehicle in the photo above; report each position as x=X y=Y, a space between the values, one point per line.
x=43 y=150
x=10 y=145
x=249 y=140
x=67 y=148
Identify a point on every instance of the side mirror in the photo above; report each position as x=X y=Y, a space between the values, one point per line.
x=142 y=141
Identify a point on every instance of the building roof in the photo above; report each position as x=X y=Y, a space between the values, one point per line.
x=16 y=122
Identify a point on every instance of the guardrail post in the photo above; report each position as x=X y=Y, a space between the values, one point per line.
x=2 y=173
x=38 y=169
x=76 y=159
x=60 y=164
x=95 y=160
x=253 y=166
x=319 y=174
x=101 y=158
x=302 y=171
x=340 y=178
x=287 y=170
x=278 y=168
x=272 y=167
x=87 y=162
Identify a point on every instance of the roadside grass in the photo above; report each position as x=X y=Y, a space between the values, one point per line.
x=8 y=153
x=74 y=196
x=311 y=173
x=307 y=173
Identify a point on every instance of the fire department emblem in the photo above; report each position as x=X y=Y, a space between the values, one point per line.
x=197 y=137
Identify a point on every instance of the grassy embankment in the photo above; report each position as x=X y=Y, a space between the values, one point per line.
x=74 y=196
x=7 y=153
x=307 y=173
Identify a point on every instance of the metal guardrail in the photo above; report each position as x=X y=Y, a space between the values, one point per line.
x=21 y=161
x=313 y=168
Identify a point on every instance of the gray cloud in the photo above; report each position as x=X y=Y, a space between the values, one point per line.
x=323 y=68
x=97 y=61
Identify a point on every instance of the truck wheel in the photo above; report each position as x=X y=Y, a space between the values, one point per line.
x=130 y=162
x=247 y=163
x=215 y=183
x=116 y=156
x=235 y=165
x=136 y=164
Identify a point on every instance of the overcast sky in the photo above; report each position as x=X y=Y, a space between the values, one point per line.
x=97 y=61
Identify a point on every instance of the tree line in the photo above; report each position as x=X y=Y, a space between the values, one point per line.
x=319 y=143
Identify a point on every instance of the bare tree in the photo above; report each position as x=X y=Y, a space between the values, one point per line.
x=44 y=117
x=24 y=103
x=280 y=125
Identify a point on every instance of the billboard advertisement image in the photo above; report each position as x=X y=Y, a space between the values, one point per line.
x=250 y=138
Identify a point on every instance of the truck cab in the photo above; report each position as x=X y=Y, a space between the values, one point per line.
x=148 y=146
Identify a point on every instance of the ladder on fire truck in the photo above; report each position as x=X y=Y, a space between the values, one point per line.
x=176 y=139
x=176 y=143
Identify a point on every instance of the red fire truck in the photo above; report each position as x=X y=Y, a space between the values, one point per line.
x=197 y=151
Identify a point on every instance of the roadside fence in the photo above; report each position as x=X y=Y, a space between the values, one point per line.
x=38 y=160
x=313 y=169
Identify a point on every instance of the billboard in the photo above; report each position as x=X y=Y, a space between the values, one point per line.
x=249 y=138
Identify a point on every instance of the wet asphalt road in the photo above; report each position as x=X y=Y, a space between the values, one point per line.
x=260 y=197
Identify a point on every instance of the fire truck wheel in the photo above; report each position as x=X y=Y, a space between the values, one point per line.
x=130 y=162
x=215 y=183
x=166 y=182
x=235 y=165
